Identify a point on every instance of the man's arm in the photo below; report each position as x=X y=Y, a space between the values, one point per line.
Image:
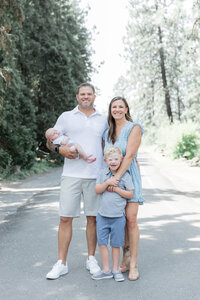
x=64 y=150
x=51 y=146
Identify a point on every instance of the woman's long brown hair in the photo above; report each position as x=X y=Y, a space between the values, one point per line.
x=111 y=120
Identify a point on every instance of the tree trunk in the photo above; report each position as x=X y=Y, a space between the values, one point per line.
x=164 y=78
x=179 y=108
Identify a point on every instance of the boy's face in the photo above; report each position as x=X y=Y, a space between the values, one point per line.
x=114 y=161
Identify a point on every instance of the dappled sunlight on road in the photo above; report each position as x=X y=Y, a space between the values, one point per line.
x=18 y=190
x=195 y=239
x=147 y=236
x=181 y=251
x=42 y=206
x=38 y=264
x=196 y=224
x=169 y=248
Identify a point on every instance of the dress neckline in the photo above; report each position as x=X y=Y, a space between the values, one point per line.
x=121 y=131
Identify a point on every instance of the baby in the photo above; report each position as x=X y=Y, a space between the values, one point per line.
x=55 y=137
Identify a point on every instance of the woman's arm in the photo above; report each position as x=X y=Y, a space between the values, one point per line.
x=134 y=141
x=138 y=165
x=101 y=187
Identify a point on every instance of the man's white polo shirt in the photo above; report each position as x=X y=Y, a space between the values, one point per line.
x=86 y=131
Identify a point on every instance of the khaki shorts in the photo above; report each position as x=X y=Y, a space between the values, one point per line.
x=73 y=190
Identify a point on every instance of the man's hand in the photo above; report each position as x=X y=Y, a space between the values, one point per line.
x=50 y=146
x=67 y=152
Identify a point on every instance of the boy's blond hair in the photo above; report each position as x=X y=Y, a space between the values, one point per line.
x=112 y=150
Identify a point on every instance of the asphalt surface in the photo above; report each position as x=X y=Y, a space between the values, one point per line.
x=169 y=251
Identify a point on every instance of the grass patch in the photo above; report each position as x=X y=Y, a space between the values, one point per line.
x=39 y=166
x=176 y=140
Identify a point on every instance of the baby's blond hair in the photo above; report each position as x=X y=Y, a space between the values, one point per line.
x=112 y=150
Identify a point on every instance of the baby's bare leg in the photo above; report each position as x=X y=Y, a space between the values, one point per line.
x=81 y=152
x=88 y=158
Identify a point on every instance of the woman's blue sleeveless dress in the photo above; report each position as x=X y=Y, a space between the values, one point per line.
x=121 y=142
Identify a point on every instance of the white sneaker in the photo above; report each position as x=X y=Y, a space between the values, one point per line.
x=92 y=265
x=58 y=269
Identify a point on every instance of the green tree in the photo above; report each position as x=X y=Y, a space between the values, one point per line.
x=162 y=80
x=55 y=58
x=17 y=123
x=44 y=56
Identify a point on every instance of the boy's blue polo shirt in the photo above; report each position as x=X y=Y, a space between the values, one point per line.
x=112 y=204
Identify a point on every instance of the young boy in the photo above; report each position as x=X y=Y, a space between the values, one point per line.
x=111 y=218
x=56 y=137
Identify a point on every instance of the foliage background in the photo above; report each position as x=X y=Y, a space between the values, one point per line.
x=44 y=55
x=162 y=50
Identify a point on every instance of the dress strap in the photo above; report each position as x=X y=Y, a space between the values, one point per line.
x=132 y=124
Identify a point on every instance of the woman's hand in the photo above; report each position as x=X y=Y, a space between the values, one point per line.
x=110 y=188
x=113 y=181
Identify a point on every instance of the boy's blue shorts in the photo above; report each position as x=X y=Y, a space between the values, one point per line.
x=113 y=227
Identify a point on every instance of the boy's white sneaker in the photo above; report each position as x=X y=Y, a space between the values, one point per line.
x=58 y=269
x=92 y=265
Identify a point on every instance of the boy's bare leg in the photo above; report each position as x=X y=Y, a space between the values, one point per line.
x=105 y=258
x=115 y=257
x=64 y=237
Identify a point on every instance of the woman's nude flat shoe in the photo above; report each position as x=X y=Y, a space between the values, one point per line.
x=133 y=273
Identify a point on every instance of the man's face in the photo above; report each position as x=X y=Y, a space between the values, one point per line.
x=114 y=161
x=86 y=97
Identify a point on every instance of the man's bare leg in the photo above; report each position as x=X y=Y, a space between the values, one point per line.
x=91 y=235
x=64 y=237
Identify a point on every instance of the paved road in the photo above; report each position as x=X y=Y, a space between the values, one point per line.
x=169 y=254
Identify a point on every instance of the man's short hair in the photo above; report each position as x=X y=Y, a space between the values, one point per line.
x=84 y=85
x=112 y=150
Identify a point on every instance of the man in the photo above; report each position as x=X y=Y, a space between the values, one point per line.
x=85 y=126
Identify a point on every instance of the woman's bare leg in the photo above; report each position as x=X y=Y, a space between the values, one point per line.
x=134 y=235
x=126 y=253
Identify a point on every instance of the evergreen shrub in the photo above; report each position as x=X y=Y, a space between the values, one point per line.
x=6 y=162
x=186 y=147
x=175 y=140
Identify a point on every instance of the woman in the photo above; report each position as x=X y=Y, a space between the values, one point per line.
x=126 y=134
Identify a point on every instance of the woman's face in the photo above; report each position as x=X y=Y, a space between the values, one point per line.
x=118 y=109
